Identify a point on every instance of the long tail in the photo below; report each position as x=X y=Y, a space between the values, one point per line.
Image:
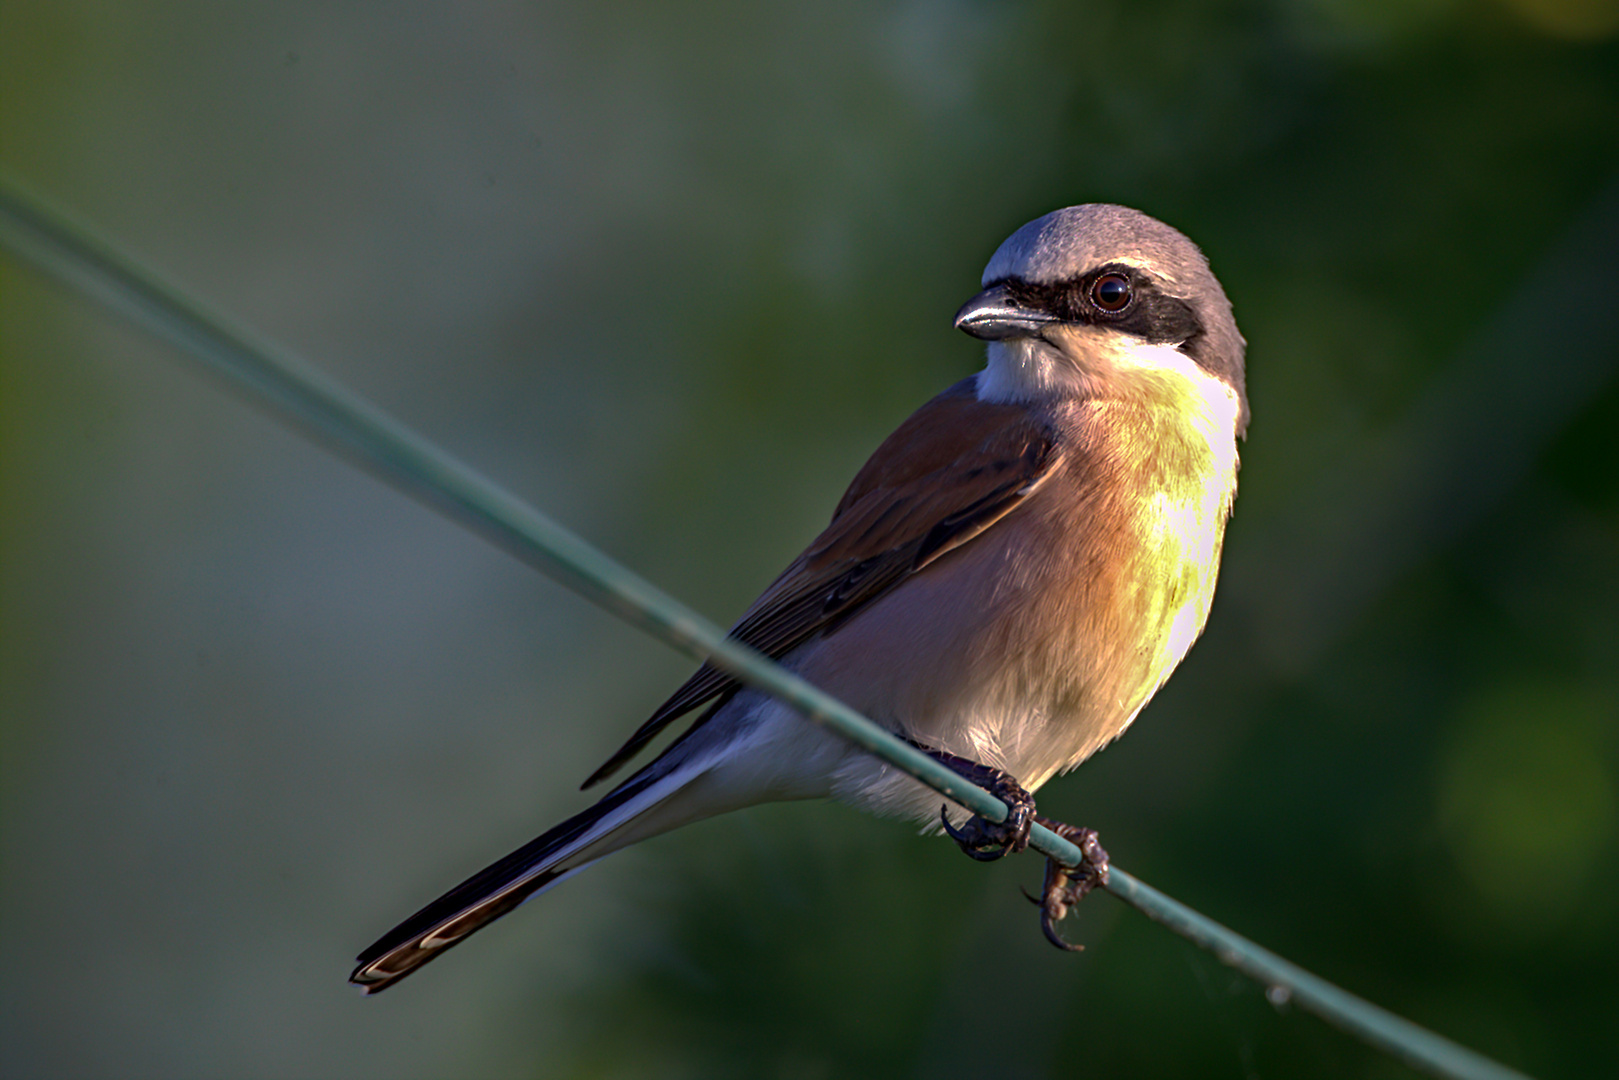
x=526 y=872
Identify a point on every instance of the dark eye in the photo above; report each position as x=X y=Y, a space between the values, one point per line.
x=1111 y=292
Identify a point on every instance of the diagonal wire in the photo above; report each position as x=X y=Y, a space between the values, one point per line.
x=293 y=390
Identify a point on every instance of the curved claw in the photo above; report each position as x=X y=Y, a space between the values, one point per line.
x=971 y=840
x=1049 y=926
x=987 y=854
x=987 y=840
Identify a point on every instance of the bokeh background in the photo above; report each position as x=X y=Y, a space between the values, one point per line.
x=671 y=272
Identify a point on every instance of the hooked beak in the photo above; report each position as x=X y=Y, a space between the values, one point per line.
x=993 y=315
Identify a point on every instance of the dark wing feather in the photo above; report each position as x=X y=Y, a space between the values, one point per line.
x=949 y=472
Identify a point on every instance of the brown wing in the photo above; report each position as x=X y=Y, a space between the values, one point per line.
x=949 y=472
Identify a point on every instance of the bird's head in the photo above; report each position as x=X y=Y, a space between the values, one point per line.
x=1102 y=301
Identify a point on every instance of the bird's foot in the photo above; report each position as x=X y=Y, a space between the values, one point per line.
x=979 y=837
x=1066 y=886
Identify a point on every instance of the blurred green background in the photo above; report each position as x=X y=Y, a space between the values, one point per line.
x=671 y=273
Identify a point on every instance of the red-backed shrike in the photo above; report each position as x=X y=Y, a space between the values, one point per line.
x=1007 y=581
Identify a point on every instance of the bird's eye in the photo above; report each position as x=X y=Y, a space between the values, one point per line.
x=1111 y=292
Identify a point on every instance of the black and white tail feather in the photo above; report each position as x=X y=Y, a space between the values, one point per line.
x=545 y=861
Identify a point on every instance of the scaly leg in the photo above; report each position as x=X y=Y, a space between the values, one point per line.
x=1066 y=886
x=979 y=837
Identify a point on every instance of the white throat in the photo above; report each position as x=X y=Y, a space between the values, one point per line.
x=1089 y=364
x=1029 y=370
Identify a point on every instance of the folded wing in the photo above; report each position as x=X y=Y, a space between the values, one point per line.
x=952 y=470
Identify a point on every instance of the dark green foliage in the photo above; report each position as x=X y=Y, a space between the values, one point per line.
x=672 y=275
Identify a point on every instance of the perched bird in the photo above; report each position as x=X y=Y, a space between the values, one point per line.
x=1005 y=584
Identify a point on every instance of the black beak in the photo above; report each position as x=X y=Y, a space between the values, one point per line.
x=994 y=316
